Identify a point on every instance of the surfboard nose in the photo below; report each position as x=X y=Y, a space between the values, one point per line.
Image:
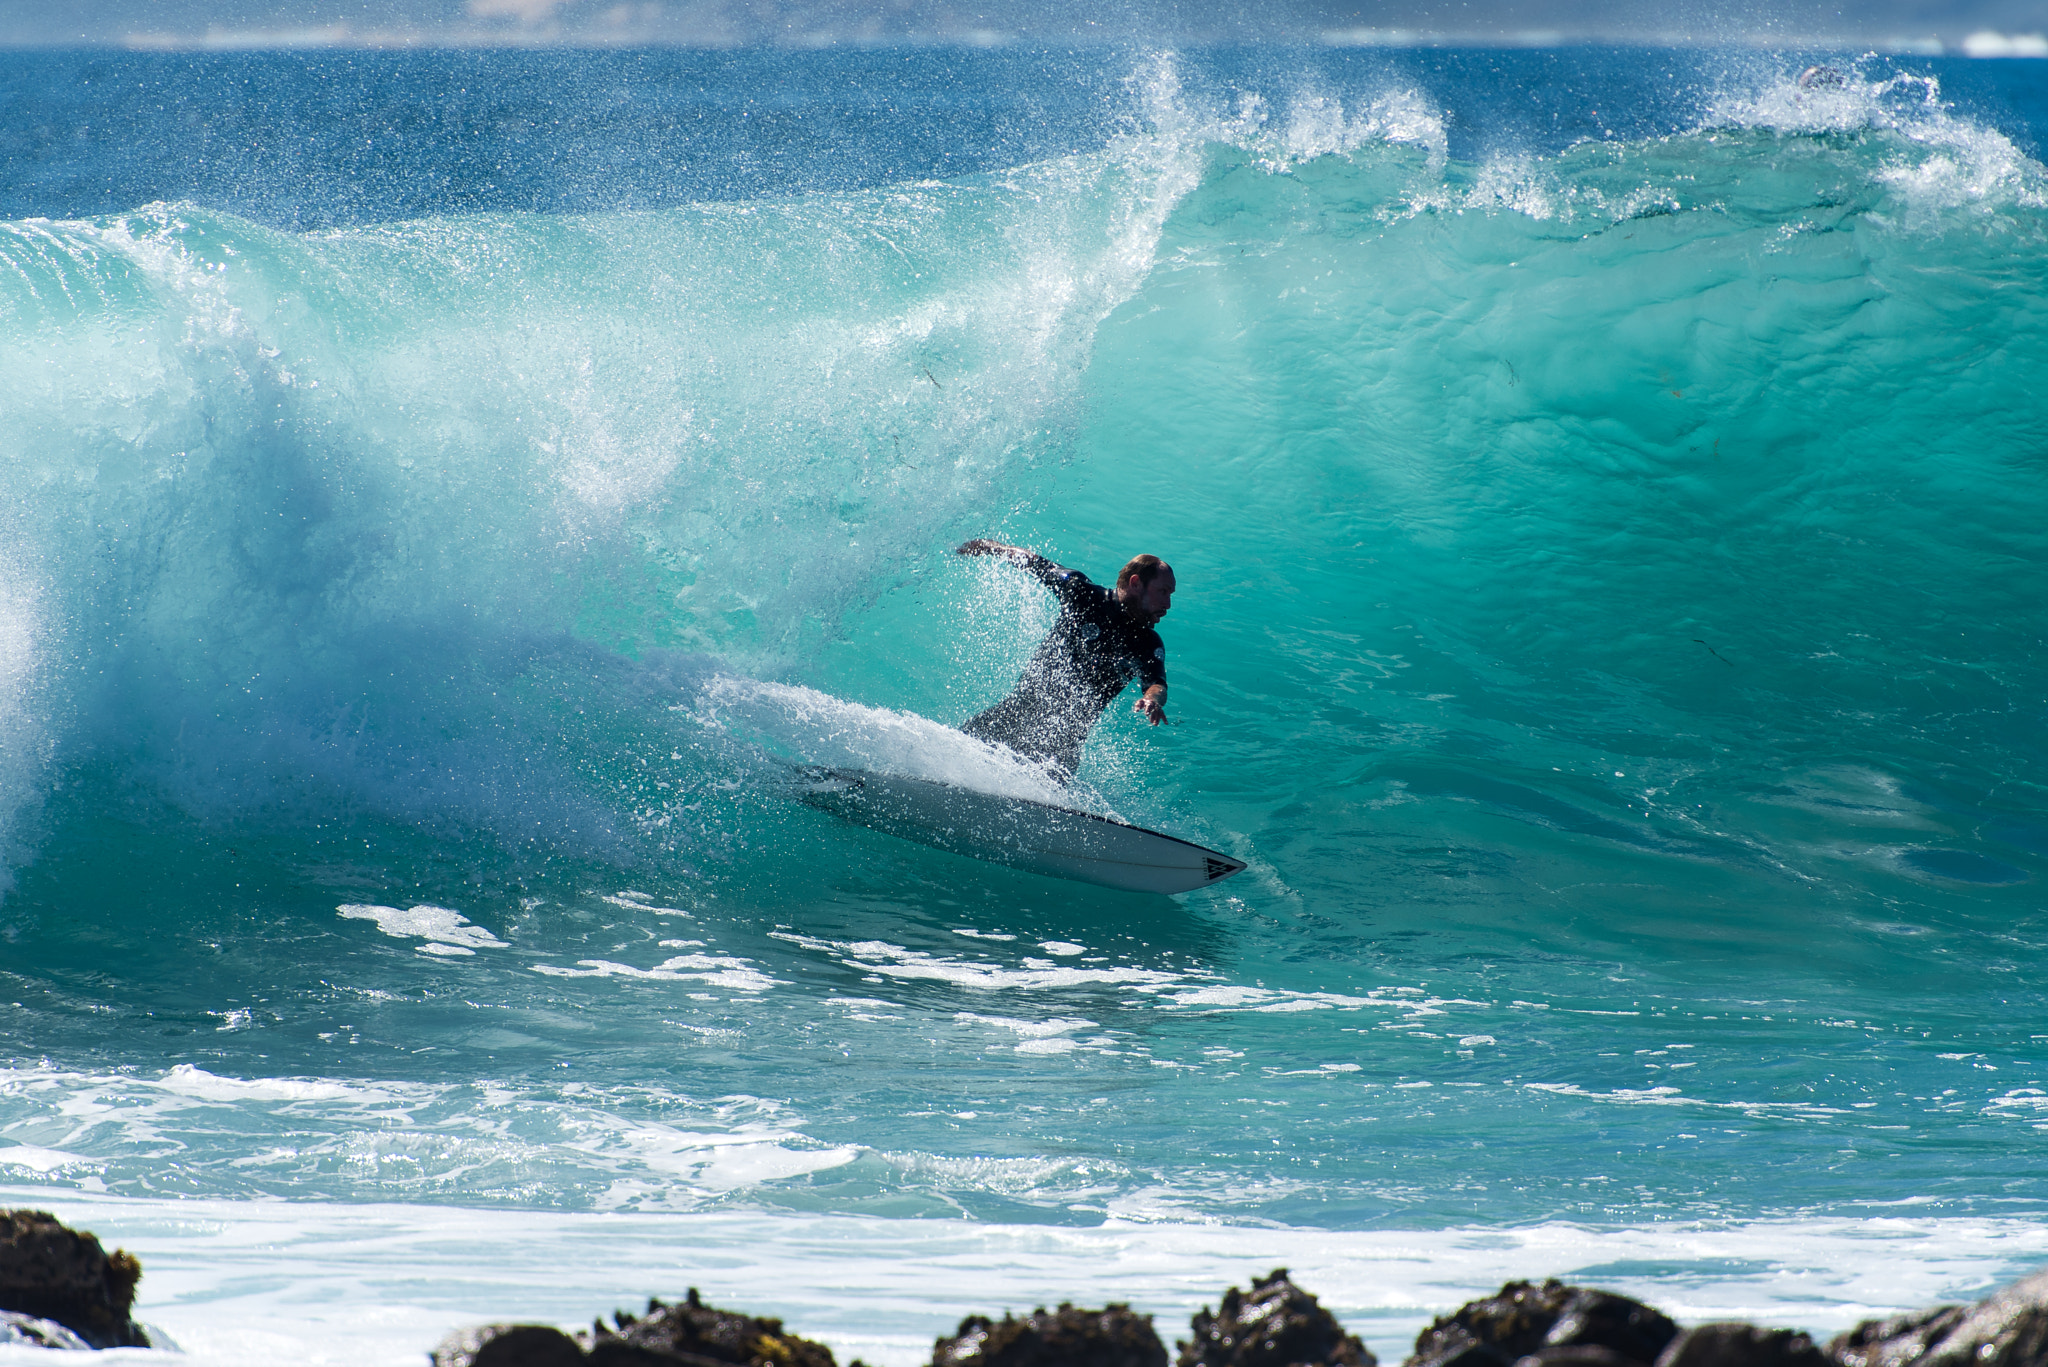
x=1219 y=867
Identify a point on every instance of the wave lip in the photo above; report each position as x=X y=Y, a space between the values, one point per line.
x=821 y=729
x=336 y=518
x=1934 y=159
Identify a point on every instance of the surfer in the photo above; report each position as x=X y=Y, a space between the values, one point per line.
x=1102 y=640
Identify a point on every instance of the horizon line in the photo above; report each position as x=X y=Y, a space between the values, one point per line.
x=1981 y=43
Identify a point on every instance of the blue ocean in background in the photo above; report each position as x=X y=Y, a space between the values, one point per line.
x=441 y=492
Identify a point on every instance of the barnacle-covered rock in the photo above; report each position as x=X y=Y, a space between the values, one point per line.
x=1524 y=1320
x=1111 y=1337
x=51 y=1272
x=695 y=1334
x=1275 y=1324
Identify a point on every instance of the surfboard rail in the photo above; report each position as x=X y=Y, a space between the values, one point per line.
x=1020 y=832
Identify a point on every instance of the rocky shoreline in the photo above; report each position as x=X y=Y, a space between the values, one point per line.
x=60 y=1289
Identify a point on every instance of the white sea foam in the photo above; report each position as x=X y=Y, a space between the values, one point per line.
x=446 y=931
x=40 y=1161
x=1316 y=124
x=1169 y=990
x=239 y=1284
x=1034 y=1036
x=1029 y=1029
x=1941 y=160
x=631 y=1149
x=822 y=729
x=1673 y=1096
x=718 y=970
x=705 y=1162
x=2027 y=1103
x=186 y=1080
x=896 y=961
x=1932 y=160
x=640 y=901
x=1519 y=183
x=1055 y=1182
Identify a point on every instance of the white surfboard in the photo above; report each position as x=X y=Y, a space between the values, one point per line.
x=1037 y=836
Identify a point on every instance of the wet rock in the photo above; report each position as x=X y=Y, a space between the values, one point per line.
x=2006 y=1329
x=617 y=1352
x=1599 y=1319
x=1110 y=1337
x=1900 y=1339
x=26 y=1331
x=1276 y=1324
x=508 y=1345
x=1577 y=1355
x=1491 y=1332
x=1524 y=1320
x=1741 y=1345
x=697 y=1335
x=51 y=1272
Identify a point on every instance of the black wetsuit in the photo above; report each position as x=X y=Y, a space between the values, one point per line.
x=1094 y=649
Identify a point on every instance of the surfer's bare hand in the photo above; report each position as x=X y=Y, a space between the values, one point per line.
x=1150 y=709
x=981 y=545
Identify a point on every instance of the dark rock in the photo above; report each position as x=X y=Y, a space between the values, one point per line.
x=1900 y=1339
x=1524 y=1320
x=1467 y=1354
x=1110 y=1337
x=1277 y=1325
x=1577 y=1355
x=508 y=1345
x=1598 y=1319
x=696 y=1335
x=1741 y=1345
x=50 y=1272
x=2006 y=1329
x=1492 y=1332
x=617 y=1352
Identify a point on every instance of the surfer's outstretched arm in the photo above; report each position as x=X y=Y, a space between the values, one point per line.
x=1031 y=562
x=982 y=545
x=1151 y=705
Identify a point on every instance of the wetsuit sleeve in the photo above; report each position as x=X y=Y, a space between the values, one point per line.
x=1062 y=581
x=1151 y=660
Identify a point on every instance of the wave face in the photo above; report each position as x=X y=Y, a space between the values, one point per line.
x=1609 y=545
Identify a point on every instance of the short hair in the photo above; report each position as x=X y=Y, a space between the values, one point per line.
x=1146 y=567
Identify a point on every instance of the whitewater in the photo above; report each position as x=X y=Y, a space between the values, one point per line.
x=441 y=494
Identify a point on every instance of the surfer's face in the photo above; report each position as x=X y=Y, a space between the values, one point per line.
x=1151 y=601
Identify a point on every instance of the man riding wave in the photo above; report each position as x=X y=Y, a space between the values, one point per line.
x=1101 y=641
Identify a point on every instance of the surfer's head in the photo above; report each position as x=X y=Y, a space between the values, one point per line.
x=1145 y=586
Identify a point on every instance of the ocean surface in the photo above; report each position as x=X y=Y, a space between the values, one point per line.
x=442 y=493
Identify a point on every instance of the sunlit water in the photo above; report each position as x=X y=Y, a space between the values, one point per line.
x=1606 y=491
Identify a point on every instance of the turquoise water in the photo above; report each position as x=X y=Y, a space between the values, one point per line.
x=1609 y=627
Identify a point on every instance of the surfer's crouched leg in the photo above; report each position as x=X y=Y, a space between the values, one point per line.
x=1029 y=733
x=999 y=725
